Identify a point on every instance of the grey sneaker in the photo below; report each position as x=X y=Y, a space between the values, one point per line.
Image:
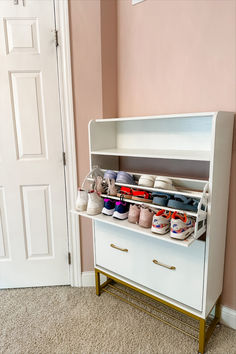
x=95 y=203
x=111 y=187
x=99 y=187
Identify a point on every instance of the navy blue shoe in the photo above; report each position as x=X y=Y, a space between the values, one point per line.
x=109 y=206
x=181 y=202
x=161 y=198
x=121 y=210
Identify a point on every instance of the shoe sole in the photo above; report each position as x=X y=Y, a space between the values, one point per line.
x=139 y=199
x=108 y=212
x=132 y=221
x=126 y=196
x=94 y=211
x=120 y=216
x=184 y=235
x=82 y=207
x=154 y=229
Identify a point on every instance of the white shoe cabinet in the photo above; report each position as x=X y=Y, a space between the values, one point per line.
x=186 y=275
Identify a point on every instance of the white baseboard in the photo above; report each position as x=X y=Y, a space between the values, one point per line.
x=228 y=317
x=88 y=278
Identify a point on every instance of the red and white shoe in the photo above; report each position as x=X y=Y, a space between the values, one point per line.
x=161 y=222
x=181 y=226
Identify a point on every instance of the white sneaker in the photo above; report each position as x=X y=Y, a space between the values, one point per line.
x=95 y=203
x=181 y=226
x=161 y=222
x=82 y=200
x=164 y=183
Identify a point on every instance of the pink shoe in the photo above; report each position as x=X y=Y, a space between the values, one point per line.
x=145 y=218
x=134 y=212
x=111 y=187
x=98 y=187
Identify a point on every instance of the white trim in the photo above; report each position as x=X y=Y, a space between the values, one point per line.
x=134 y=2
x=228 y=317
x=66 y=98
x=88 y=278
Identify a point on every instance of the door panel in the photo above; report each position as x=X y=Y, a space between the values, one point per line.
x=28 y=119
x=21 y=35
x=33 y=223
x=37 y=221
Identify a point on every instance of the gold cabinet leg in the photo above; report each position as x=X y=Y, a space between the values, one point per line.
x=97 y=281
x=202 y=325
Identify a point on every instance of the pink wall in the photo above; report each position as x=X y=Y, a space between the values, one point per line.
x=87 y=88
x=152 y=58
x=176 y=56
x=94 y=63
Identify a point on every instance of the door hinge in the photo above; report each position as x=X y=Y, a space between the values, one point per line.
x=69 y=258
x=64 y=158
x=56 y=38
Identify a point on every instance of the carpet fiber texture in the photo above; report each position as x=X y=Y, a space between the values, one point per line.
x=71 y=320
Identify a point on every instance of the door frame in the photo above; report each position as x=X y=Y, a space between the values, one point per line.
x=68 y=133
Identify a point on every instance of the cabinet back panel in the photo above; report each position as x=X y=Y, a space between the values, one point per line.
x=181 y=134
x=166 y=167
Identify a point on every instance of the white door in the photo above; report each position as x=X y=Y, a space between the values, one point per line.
x=33 y=221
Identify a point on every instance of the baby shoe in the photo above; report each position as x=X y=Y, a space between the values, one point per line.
x=145 y=218
x=160 y=198
x=181 y=226
x=89 y=181
x=125 y=192
x=164 y=183
x=161 y=222
x=141 y=196
x=82 y=200
x=121 y=210
x=134 y=212
x=99 y=186
x=181 y=202
x=110 y=174
x=146 y=181
x=125 y=178
x=111 y=190
x=95 y=203
x=109 y=206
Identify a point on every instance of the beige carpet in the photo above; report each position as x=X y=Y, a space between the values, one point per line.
x=71 y=320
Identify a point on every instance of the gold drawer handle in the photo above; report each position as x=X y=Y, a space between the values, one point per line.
x=163 y=265
x=118 y=248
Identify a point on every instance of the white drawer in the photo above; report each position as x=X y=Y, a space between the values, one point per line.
x=106 y=256
x=184 y=283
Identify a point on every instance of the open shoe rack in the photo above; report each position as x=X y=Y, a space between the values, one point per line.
x=192 y=188
x=187 y=279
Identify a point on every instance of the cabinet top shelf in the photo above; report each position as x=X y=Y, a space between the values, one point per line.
x=199 y=155
x=164 y=116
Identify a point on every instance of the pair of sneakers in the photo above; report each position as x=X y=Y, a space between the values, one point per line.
x=89 y=201
x=117 y=209
x=105 y=185
x=140 y=215
x=180 y=226
x=120 y=177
